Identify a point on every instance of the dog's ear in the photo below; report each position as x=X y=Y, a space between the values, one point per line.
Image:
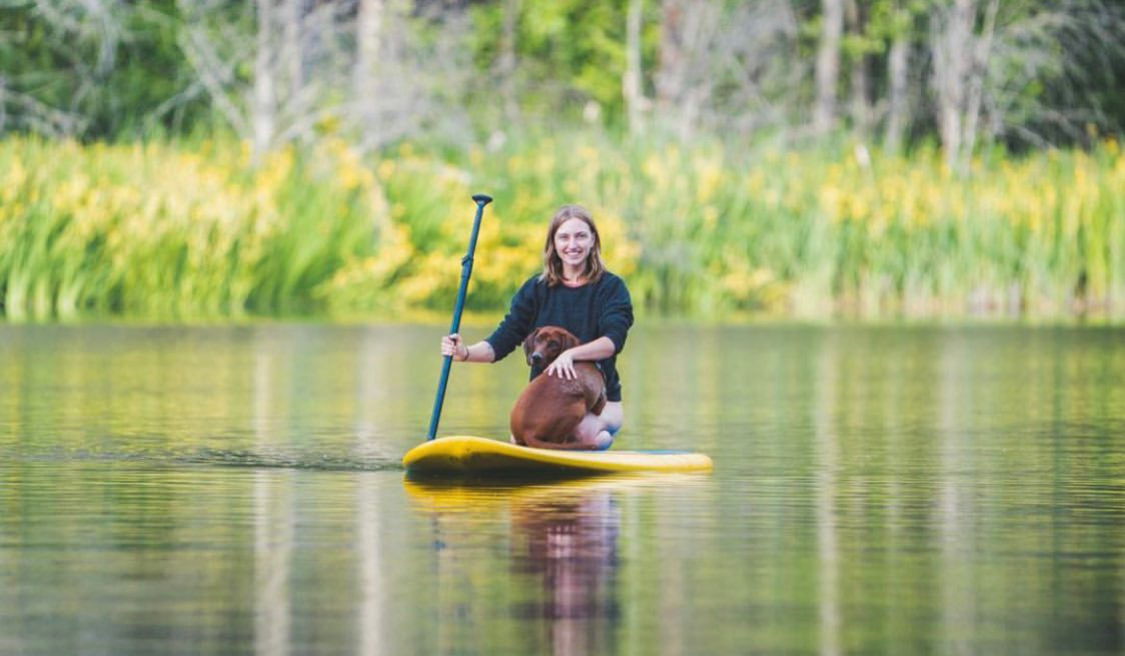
x=568 y=340
x=529 y=344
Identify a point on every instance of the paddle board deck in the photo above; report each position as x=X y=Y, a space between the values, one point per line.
x=465 y=454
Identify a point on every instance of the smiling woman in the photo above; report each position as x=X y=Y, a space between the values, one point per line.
x=576 y=292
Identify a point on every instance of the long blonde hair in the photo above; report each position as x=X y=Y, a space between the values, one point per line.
x=552 y=263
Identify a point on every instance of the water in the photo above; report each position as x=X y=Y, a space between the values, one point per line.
x=229 y=490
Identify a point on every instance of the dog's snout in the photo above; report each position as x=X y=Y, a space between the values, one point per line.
x=536 y=357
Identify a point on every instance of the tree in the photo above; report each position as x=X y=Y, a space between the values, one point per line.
x=899 y=28
x=1024 y=72
x=828 y=65
x=632 y=88
x=1021 y=71
x=1057 y=73
x=728 y=67
x=282 y=71
x=94 y=69
x=961 y=63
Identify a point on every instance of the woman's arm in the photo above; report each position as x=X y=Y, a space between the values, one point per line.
x=479 y=352
x=515 y=327
x=599 y=349
x=615 y=314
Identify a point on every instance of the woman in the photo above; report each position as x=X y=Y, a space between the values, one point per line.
x=576 y=292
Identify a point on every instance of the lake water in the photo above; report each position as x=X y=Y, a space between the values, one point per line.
x=230 y=490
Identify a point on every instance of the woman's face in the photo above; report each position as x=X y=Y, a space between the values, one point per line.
x=573 y=241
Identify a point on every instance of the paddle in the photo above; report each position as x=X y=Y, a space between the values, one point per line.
x=466 y=271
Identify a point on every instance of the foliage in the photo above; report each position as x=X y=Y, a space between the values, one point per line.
x=157 y=230
x=96 y=70
x=276 y=72
x=711 y=230
x=570 y=52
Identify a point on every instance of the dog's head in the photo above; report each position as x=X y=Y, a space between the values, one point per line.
x=545 y=344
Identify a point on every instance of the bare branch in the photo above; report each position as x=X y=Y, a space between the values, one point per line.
x=214 y=75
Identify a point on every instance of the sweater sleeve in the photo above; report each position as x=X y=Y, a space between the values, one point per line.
x=616 y=312
x=516 y=325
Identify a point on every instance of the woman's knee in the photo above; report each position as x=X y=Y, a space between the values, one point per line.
x=612 y=417
x=593 y=435
x=598 y=431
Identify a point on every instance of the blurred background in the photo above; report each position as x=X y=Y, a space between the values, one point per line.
x=182 y=473
x=804 y=158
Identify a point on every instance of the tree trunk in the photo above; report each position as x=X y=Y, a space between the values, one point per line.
x=294 y=45
x=369 y=45
x=898 y=63
x=861 y=110
x=670 y=77
x=506 y=64
x=264 y=119
x=370 y=22
x=953 y=59
x=982 y=52
x=961 y=63
x=631 y=89
x=828 y=65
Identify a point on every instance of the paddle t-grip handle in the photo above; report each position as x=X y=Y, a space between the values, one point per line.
x=466 y=271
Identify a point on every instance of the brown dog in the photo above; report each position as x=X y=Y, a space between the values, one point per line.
x=551 y=407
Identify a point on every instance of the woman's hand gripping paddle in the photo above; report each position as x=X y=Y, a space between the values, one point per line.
x=466 y=271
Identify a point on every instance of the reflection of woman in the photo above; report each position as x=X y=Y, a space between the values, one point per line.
x=571 y=542
x=576 y=292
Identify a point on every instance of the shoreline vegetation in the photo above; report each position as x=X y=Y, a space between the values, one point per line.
x=194 y=231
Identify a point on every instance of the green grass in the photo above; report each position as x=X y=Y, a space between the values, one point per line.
x=178 y=231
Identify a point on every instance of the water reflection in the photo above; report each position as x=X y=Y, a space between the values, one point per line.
x=567 y=539
x=370 y=383
x=273 y=523
x=221 y=490
x=828 y=464
x=562 y=551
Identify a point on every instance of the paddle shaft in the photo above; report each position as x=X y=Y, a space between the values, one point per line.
x=466 y=271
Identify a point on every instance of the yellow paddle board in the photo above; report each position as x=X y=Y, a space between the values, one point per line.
x=465 y=454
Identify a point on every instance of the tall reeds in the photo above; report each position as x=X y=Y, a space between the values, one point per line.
x=185 y=231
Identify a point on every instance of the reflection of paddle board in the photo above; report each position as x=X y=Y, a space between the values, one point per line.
x=444 y=495
x=464 y=454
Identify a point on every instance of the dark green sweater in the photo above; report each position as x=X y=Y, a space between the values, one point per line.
x=600 y=309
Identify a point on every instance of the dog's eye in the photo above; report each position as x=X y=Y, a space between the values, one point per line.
x=554 y=343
